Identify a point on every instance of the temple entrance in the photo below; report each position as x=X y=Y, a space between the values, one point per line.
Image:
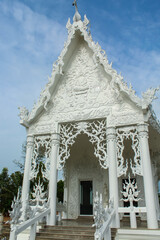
x=86 y=197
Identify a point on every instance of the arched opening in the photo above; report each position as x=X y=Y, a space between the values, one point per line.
x=83 y=178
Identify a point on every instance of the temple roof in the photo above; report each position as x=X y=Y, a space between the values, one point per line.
x=80 y=28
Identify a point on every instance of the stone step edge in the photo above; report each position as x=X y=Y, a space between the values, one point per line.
x=68 y=227
x=64 y=234
x=48 y=238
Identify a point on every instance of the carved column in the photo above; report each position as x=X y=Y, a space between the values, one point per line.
x=148 y=178
x=27 y=169
x=53 y=178
x=113 y=180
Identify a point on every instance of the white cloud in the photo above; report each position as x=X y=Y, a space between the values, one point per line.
x=29 y=44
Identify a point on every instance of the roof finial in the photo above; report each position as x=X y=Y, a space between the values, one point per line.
x=77 y=16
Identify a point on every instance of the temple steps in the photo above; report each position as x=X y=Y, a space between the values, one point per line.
x=68 y=233
x=5 y=231
x=65 y=233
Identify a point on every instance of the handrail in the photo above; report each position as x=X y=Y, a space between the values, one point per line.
x=104 y=231
x=103 y=218
x=29 y=223
x=132 y=211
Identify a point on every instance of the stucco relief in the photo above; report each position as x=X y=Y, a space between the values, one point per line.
x=83 y=92
x=84 y=85
x=124 y=118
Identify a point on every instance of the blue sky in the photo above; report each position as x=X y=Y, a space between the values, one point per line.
x=32 y=34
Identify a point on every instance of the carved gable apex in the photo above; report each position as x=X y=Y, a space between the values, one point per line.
x=84 y=85
x=94 y=68
x=83 y=92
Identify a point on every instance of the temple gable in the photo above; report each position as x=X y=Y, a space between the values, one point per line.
x=84 y=91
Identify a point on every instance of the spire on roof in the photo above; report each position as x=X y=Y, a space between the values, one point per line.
x=77 y=16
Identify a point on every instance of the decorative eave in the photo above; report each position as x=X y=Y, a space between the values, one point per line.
x=99 y=57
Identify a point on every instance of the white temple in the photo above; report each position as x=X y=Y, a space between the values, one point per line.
x=106 y=139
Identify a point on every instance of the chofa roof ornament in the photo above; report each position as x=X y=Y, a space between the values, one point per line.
x=77 y=16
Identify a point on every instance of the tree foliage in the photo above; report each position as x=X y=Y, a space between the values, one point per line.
x=60 y=190
x=8 y=188
x=9 y=184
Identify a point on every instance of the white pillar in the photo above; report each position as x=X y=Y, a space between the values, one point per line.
x=113 y=180
x=148 y=178
x=53 y=178
x=27 y=169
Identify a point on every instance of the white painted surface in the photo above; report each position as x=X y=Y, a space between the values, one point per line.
x=128 y=234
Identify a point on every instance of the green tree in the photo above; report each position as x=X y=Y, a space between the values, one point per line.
x=60 y=190
x=8 y=188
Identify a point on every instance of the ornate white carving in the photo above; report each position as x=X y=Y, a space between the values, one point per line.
x=99 y=211
x=24 y=113
x=99 y=57
x=77 y=16
x=124 y=118
x=39 y=201
x=42 y=148
x=149 y=96
x=102 y=217
x=16 y=212
x=95 y=130
x=130 y=192
x=69 y=26
x=135 y=163
x=33 y=206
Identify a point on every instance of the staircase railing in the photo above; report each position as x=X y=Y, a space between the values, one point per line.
x=132 y=213
x=28 y=215
x=32 y=223
x=103 y=218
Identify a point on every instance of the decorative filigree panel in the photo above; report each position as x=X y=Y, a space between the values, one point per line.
x=41 y=151
x=130 y=192
x=95 y=130
x=128 y=133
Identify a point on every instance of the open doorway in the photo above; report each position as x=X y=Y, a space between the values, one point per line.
x=86 y=197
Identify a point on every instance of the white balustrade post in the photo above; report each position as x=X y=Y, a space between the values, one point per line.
x=27 y=169
x=53 y=178
x=107 y=235
x=148 y=178
x=113 y=180
x=33 y=231
x=13 y=235
x=133 y=220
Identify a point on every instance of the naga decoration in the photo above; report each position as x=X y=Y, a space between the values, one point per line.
x=24 y=113
x=102 y=216
x=95 y=130
x=128 y=133
x=41 y=152
x=16 y=212
x=32 y=206
x=99 y=211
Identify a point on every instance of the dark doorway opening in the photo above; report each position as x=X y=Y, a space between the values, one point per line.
x=86 y=192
